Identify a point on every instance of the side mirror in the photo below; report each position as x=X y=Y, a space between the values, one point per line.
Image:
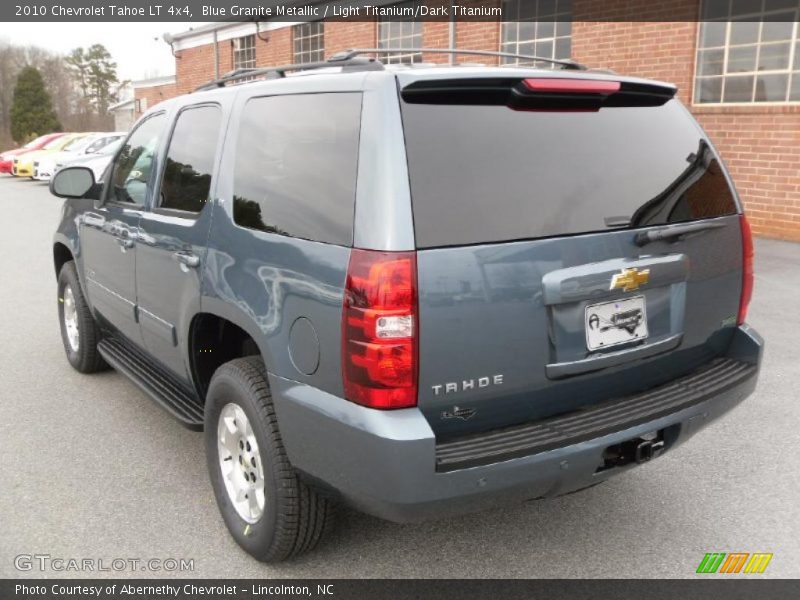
x=72 y=182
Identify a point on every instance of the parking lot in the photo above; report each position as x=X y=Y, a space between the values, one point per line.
x=92 y=468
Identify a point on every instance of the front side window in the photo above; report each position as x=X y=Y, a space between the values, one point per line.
x=746 y=57
x=536 y=28
x=296 y=166
x=244 y=52
x=132 y=169
x=401 y=32
x=309 y=42
x=190 y=159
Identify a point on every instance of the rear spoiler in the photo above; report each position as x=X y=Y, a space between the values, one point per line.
x=539 y=93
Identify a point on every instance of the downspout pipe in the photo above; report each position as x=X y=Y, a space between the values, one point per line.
x=216 y=56
x=452 y=33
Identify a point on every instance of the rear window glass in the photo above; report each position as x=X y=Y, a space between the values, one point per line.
x=296 y=166
x=489 y=173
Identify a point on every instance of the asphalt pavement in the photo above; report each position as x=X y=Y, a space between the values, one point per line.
x=91 y=468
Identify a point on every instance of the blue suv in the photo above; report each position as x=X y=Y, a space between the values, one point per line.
x=415 y=290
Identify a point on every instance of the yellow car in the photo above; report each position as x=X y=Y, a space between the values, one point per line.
x=23 y=165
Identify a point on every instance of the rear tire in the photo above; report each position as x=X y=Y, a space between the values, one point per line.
x=79 y=331
x=288 y=518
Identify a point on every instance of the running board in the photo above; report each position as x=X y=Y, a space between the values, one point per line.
x=160 y=385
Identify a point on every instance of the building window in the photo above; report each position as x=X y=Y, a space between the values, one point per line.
x=746 y=57
x=244 y=52
x=536 y=28
x=401 y=32
x=309 y=42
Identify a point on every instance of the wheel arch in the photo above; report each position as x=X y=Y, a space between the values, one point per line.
x=215 y=339
x=61 y=255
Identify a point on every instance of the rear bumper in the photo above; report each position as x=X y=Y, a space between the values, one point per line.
x=389 y=464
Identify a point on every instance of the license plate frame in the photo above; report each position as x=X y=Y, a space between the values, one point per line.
x=604 y=322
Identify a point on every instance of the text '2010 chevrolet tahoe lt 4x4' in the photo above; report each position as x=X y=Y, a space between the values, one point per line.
x=413 y=290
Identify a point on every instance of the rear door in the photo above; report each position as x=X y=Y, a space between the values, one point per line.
x=542 y=287
x=173 y=235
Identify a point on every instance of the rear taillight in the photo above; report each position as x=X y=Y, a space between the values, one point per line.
x=747 y=269
x=380 y=328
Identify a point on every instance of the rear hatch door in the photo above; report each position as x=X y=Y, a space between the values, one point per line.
x=575 y=243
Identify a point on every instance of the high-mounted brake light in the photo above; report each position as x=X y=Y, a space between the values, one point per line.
x=379 y=329
x=565 y=94
x=571 y=86
x=747 y=269
x=539 y=93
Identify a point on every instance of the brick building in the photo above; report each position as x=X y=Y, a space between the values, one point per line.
x=740 y=78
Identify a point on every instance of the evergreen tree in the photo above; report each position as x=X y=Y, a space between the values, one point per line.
x=31 y=109
x=95 y=73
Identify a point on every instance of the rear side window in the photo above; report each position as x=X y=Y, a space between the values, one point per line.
x=190 y=159
x=296 y=166
x=484 y=174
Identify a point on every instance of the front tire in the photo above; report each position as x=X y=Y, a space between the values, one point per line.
x=268 y=510
x=79 y=331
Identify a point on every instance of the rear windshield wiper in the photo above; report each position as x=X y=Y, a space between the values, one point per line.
x=674 y=231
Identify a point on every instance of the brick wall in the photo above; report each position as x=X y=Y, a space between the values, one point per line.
x=276 y=50
x=148 y=97
x=195 y=66
x=478 y=35
x=760 y=144
x=341 y=36
x=662 y=51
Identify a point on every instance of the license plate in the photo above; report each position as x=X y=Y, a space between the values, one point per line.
x=615 y=322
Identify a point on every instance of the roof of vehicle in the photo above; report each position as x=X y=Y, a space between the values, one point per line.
x=407 y=74
x=371 y=59
x=358 y=73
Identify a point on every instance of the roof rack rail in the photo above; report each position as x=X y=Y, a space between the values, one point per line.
x=355 y=52
x=351 y=60
x=352 y=64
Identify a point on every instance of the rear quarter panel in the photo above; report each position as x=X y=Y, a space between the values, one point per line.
x=267 y=282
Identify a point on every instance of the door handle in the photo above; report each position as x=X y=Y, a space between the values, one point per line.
x=187 y=258
x=125 y=243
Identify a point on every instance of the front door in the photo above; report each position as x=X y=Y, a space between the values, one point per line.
x=173 y=235
x=109 y=232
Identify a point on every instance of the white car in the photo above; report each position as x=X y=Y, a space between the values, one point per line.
x=46 y=166
x=97 y=161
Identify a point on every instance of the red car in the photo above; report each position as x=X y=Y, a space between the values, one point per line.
x=7 y=157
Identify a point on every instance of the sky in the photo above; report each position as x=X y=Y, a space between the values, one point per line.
x=137 y=48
